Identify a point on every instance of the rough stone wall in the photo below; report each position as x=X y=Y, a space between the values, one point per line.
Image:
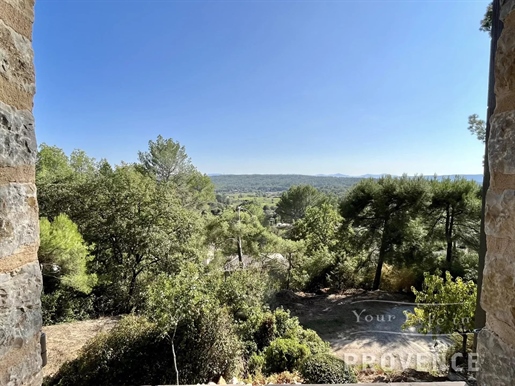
x=20 y=276
x=496 y=342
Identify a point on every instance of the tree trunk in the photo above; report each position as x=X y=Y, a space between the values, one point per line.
x=289 y=272
x=448 y=236
x=240 y=252
x=464 y=345
x=379 y=268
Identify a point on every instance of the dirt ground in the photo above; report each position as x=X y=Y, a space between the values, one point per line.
x=65 y=340
x=365 y=329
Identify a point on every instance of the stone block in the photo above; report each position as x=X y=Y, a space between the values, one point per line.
x=507 y=7
x=17 y=138
x=16 y=59
x=19 y=15
x=19 y=224
x=496 y=360
x=500 y=214
x=22 y=365
x=497 y=295
x=505 y=67
x=20 y=307
x=501 y=157
x=17 y=79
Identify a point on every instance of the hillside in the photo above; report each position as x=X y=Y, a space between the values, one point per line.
x=241 y=183
x=244 y=183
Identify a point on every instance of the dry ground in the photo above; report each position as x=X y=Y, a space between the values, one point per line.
x=65 y=340
x=365 y=329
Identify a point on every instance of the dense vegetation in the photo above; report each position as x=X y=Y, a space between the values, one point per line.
x=196 y=272
x=267 y=183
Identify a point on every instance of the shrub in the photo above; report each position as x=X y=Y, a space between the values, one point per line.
x=136 y=352
x=262 y=328
x=399 y=279
x=326 y=368
x=285 y=355
x=255 y=364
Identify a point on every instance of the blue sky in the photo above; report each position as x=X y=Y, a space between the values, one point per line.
x=301 y=87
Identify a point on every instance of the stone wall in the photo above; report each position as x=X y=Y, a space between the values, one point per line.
x=20 y=276
x=496 y=342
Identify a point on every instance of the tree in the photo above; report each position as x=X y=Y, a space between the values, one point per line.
x=295 y=201
x=139 y=228
x=238 y=231
x=166 y=160
x=64 y=256
x=486 y=22
x=444 y=307
x=477 y=127
x=454 y=213
x=318 y=228
x=379 y=212
x=173 y=299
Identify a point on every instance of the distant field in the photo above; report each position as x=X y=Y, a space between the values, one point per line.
x=276 y=183
x=270 y=200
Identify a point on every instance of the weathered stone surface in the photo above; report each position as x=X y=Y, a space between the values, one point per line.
x=17 y=174
x=507 y=6
x=21 y=366
x=18 y=218
x=501 y=157
x=500 y=214
x=496 y=360
x=505 y=67
x=17 y=137
x=17 y=82
x=18 y=15
x=497 y=295
x=20 y=276
x=20 y=307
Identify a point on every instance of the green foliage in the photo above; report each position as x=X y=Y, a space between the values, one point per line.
x=255 y=364
x=139 y=225
x=445 y=306
x=326 y=369
x=318 y=228
x=477 y=126
x=266 y=183
x=487 y=21
x=453 y=216
x=379 y=211
x=136 y=352
x=239 y=232
x=63 y=255
x=65 y=305
x=296 y=200
x=166 y=160
x=262 y=328
x=244 y=290
x=285 y=355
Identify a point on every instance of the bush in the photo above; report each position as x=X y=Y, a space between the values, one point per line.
x=262 y=328
x=136 y=352
x=255 y=364
x=66 y=305
x=399 y=279
x=285 y=355
x=326 y=368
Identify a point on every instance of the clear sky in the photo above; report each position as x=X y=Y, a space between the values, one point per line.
x=279 y=86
